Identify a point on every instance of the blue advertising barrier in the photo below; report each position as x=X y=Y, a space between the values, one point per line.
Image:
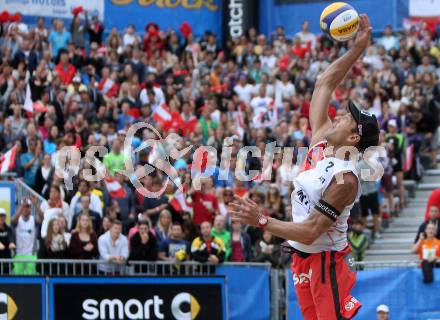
x=248 y=291
x=402 y=290
x=291 y=14
x=17 y=293
x=201 y=15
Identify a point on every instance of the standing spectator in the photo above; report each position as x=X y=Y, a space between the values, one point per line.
x=274 y=204
x=240 y=244
x=220 y=232
x=83 y=243
x=207 y=248
x=266 y=249
x=95 y=28
x=30 y=161
x=143 y=245
x=397 y=142
x=54 y=245
x=205 y=204
x=26 y=235
x=434 y=218
x=113 y=248
x=115 y=160
x=51 y=209
x=7 y=241
x=84 y=189
x=388 y=40
x=428 y=249
x=383 y=312
x=307 y=38
x=151 y=207
x=369 y=200
x=59 y=38
x=173 y=245
x=44 y=177
x=163 y=227
x=357 y=240
x=94 y=216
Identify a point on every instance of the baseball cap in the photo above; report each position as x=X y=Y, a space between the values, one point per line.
x=383 y=308
x=368 y=127
x=392 y=122
x=76 y=79
x=2 y=212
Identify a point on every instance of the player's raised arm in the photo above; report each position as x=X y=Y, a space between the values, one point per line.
x=331 y=78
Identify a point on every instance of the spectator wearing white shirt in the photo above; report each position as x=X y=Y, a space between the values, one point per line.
x=113 y=247
x=26 y=235
x=261 y=102
x=152 y=95
x=52 y=208
x=306 y=36
x=265 y=82
x=130 y=37
x=388 y=40
x=268 y=60
x=244 y=90
x=317 y=67
x=284 y=88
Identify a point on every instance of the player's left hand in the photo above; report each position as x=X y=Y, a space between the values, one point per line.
x=245 y=211
x=364 y=33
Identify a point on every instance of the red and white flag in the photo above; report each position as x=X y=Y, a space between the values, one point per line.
x=8 y=160
x=114 y=188
x=240 y=124
x=409 y=158
x=265 y=118
x=162 y=114
x=179 y=202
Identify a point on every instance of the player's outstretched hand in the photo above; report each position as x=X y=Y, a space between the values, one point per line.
x=364 y=33
x=245 y=211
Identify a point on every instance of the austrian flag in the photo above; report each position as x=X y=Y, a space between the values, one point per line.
x=114 y=188
x=7 y=162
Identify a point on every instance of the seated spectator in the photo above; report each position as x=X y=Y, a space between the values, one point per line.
x=175 y=247
x=207 y=248
x=151 y=207
x=357 y=240
x=105 y=225
x=428 y=249
x=143 y=245
x=115 y=160
x=94 y=216
x=30 y=162
x=7 y=241
x=266 y=249
x=189 y=228
x=163 y=227
x=433 y=200
x=113 y=248
x=83 y=243
x=220 y=232
x=273 y=203
x=65 y=70
x=63 y=227
x=240 y=244
x=26 y=235
x=434 y=217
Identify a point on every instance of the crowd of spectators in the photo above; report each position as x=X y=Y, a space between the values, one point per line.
x=87 y=87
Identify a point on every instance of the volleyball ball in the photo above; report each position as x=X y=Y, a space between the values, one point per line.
x=340 y=21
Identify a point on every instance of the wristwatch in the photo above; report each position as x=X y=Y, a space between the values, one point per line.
x=262 y=221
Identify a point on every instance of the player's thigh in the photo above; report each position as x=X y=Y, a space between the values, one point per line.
x=302 y=277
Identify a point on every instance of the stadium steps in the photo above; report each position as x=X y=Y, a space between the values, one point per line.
x=398 y=238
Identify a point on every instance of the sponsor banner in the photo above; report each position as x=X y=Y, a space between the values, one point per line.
x=137 y=298
x=395 y=287
x=22 y=298
x=238 y=17
x=292 y=13
x=424 y=8
x=201 y=15
x=51 y=8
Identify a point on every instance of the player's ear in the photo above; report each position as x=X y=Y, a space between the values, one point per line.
x=354 y=138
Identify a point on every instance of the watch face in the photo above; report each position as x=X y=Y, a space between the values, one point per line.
x=262 y=220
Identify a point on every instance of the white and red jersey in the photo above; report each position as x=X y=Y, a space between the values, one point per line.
x=310 y=186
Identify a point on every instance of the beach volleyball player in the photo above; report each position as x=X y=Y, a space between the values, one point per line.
x=324 y=194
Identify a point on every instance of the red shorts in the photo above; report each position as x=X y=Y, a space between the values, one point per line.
x=323 y=282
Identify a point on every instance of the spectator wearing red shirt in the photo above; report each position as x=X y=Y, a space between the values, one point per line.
x=299 y=49
x=433 y=200
x=205 y=203
x=64 y=69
